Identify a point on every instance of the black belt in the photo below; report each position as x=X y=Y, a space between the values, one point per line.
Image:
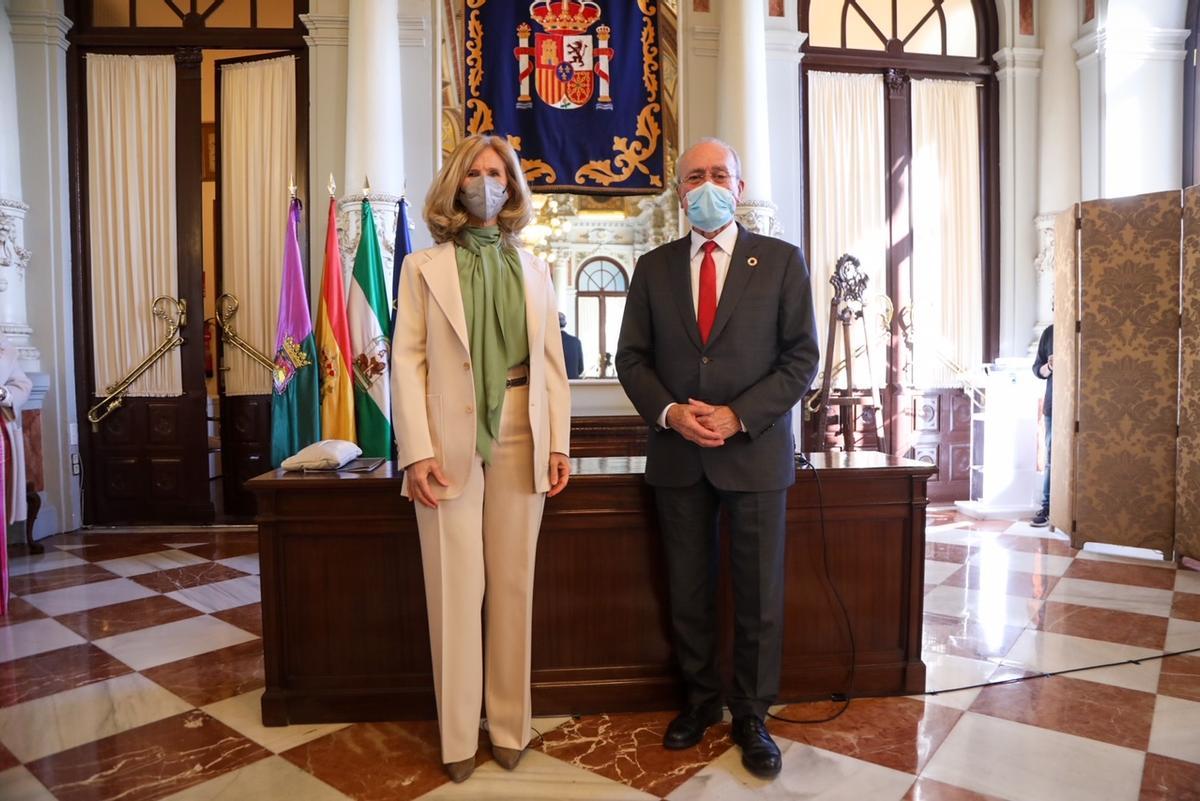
x=520 y=381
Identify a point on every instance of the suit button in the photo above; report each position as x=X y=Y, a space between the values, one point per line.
x=466 y=365
x=470 y=410
x=705 y=360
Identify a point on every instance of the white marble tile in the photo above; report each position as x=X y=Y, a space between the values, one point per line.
x=89 y=596
x=247 y=563
x=957 y=525
x=1187 y=581
x=1176 y=729
x=987 y=604
x=808 y=773
x=1182 y=635
x=1121 y=554
x=954 y=535
x=1039 y=563
x=220 y=594
x=183 y=544
x=243 y=714
x=44 y=726
x=1012 y=760
x=270 y=778
x=171 y=642
x=544 y=726
x=1047 y=652
x=537 y=777
x=1107 y=595
x=936 y=572
x=76 y=546
x=946 y=671
x=35 y=637
x=151 y=562
x=18 y=784
x=41 y=562
x=1021 y=528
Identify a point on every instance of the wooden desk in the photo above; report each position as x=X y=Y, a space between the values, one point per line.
x=344 y=627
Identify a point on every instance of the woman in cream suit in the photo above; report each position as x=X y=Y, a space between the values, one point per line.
x=481 y=409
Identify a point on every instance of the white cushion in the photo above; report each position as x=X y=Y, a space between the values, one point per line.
x=328 y=454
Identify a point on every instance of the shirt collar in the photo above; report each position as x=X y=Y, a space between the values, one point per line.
x=725 y=240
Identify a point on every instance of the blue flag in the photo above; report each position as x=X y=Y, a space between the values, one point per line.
x=402 y=249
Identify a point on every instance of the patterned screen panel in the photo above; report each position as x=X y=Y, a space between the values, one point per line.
x=1187 y=506
x=1128 y=372
x=1066 y=371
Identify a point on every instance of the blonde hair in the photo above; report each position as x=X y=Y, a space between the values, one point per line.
x=445 y=215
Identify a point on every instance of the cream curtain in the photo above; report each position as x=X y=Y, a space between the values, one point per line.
x=947 y=248
x=849 y=210
x=131 y=216
x=258 y=156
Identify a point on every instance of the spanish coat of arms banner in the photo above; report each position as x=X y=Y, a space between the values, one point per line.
x=574 y=87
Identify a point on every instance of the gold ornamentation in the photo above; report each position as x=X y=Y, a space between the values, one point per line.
x=475 y=52
x=295 y=353
x=514 y=142
x=536 y=168
x=632 y=156
x=481 y=120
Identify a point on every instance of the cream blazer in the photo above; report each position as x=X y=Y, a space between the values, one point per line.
x=433 y=388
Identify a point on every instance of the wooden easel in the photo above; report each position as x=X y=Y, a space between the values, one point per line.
x=849 y=287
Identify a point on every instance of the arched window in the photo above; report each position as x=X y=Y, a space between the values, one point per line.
x=600 y=288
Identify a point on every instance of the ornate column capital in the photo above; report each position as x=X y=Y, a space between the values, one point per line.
x=759 y=216
x=326 y=30
x=39 y=27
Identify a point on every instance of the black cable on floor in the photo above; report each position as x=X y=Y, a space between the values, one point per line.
x=843 y=697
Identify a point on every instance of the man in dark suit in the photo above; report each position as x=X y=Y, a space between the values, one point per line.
x=718 y=343
x=572 y=349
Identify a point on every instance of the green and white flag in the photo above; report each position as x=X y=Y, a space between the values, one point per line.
x=371 y=354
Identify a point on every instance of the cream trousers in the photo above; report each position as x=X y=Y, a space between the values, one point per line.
x=477 y=553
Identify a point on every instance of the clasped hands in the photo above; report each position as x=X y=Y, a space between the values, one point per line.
x=706 y=425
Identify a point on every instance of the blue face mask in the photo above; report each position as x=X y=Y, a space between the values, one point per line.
x=710 y=207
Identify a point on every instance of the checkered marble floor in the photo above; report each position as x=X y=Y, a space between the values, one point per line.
x=131 y=669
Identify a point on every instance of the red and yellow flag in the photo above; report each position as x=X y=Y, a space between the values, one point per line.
x=333 y=344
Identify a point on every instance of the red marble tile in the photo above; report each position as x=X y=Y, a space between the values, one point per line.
x=1186 y=606
x=1180 y=677
x=961 y=637
x=180 y=578
x=58 y=579
x=1102 y=712
x=947 y=552
x=148 y=762
x=628 y=748
x=379 y=761
x=1166 y=779
x=248 y=617
x=119 y=546
x=1094 y=623
x=107 y=621
x=19 y=612
x=214 y=676
x=1015 y=542
x=7 y=760
x=225 y=548
x=1117 y=573
x=1024 y=585
x=930 y=790
x=55 y=671
x=898 y=733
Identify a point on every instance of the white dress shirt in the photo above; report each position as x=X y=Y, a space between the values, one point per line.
x=725 y=240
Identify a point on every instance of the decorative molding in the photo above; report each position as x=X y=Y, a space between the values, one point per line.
x=414 y=31
x=705 y=40
x=784 y=45
x=1148 y=44
x=897 y=81
x=759 y=216
x=1044 y=262
x=326 y=30
x=1026 y=61
x=39 y=27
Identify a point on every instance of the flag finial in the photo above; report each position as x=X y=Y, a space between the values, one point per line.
x=332 y=186
x=292 y=186
x=366 y=186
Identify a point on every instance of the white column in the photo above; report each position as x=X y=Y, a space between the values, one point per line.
x=328 y=35
x=1018 y=78
x=784 y=55
x=742 y=107
x=14 y=257
x=40 y=56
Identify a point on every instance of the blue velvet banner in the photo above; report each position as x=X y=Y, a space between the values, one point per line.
x=574 y=86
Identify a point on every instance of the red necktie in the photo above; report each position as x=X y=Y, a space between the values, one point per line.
x=706 y=310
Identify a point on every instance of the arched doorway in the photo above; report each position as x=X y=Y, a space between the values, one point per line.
x=902 y=170
x=600 y=289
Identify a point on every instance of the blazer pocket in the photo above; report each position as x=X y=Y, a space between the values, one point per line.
x=433 y=411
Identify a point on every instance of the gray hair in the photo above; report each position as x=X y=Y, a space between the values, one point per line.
x=737 y=160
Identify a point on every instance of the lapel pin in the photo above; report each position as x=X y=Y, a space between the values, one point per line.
x=752 y=262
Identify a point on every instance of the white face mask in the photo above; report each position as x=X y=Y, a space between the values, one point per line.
x=483 y=197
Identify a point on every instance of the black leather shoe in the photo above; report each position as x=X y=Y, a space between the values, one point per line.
x=688 y=727
x=760 y=755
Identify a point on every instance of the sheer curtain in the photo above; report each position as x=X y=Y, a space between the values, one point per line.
x=847 y=188
x=258 y=156
x=131 y=216
x=947 y=246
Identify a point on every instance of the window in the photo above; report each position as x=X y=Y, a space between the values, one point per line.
x=600 y=289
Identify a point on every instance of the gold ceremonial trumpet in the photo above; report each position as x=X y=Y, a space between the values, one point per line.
x=227 y=306
x=173 y=311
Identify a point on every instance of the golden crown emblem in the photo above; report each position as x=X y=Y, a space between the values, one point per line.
x=568 y=16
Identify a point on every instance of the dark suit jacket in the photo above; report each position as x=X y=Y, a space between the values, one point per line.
x=760 y=358
x=573 y=354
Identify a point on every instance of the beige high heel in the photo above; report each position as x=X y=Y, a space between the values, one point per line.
x=461 y=770
x=507 y=757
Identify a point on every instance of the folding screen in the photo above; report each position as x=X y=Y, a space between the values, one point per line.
x=1066 y=314
x=1187 y=508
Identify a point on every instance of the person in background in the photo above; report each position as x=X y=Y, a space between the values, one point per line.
x=1043 y=368
x=482 y=415
x=572 y=349
x=15 y=387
